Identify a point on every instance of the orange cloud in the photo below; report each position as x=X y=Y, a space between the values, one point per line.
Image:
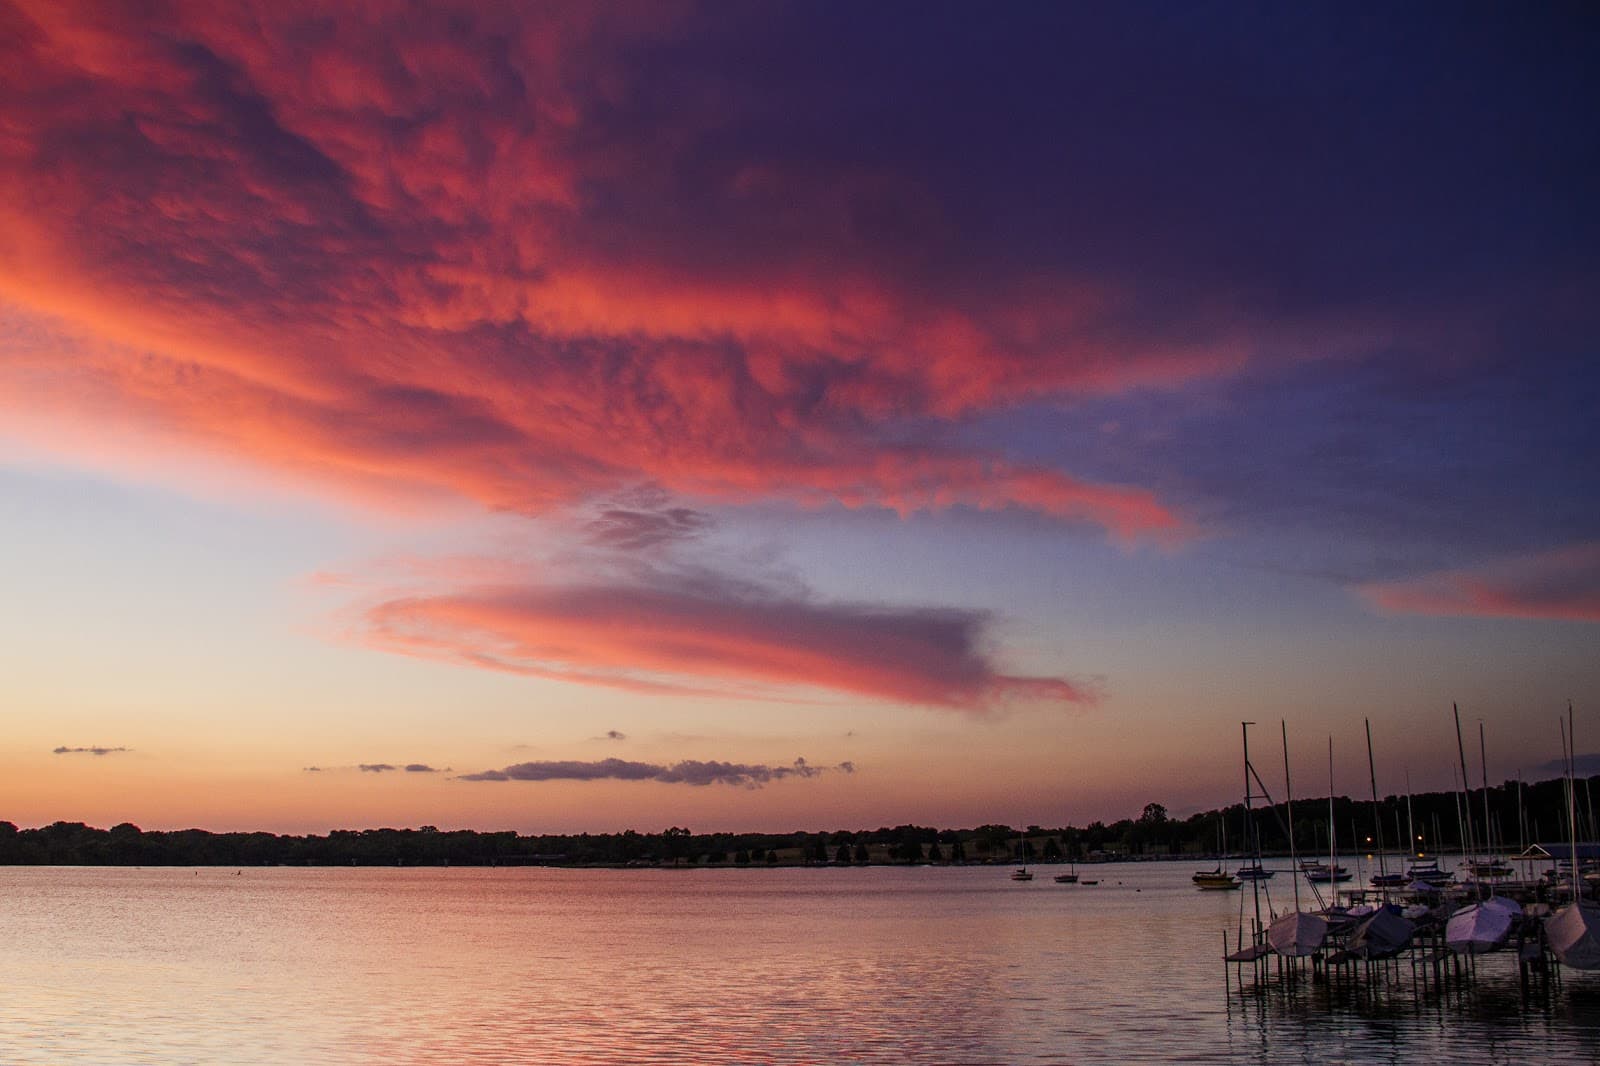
x=710 y=636
x=429 y=254
x=1562 y=584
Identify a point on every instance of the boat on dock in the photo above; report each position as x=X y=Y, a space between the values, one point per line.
x=1482 y=927
x=1573 y=934
x=1381 y=935
x=1297 y=934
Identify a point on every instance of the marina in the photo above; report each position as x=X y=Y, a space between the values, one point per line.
x=1423 y=933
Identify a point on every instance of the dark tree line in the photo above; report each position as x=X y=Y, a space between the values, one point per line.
x=1517 y=815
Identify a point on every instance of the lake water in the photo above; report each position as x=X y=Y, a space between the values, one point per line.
x=876 y=965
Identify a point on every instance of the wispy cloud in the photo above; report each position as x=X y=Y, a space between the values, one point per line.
x=1561 y=584
x=647 y=524
x=64 y=750
x=1587 y=764
x=700 y=633
x=687 y=772
x=382 y=768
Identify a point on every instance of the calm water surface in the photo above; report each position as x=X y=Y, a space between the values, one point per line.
x=764 y=965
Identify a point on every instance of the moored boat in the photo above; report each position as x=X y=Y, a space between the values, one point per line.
x=1215 y=880
x=1322 y=874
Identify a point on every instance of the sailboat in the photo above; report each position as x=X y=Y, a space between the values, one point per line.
x=1071 y=876
x=1329 y=872
x=1383 y=879
x=1487 y=866
x=1217 y=879
x=1021 y=873
x=1573 y=932
x=1296 y=934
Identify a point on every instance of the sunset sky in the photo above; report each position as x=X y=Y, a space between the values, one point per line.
x=761 y=416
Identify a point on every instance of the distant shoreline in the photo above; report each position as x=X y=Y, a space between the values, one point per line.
x=1519 y=813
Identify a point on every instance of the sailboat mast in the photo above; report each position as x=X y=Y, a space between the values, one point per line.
x=1377 y=820
x=1411 y=825
x=1288 y=799
x=1483 y=768
x=1251 y=844
x=1570 y=742
x=1333 y=850
x=1467 y=841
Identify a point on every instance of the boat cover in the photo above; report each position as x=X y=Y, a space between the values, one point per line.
x=1297 y=934
x=1481 y=927
x=1574 y=935
x=1381 y=935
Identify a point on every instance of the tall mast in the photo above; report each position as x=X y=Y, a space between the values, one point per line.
x=1288 y=799
x=1411 y=826
x=1467 y=840
x=1377 y=820
x=1483 y=766
x=1333 y=851
x=1252 y=845
x=1570 y=741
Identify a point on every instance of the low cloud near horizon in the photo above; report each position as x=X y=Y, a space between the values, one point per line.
x=383 y=768
x=702 y=633
x=1557 y=584
x=685 y=772
x=64 y=750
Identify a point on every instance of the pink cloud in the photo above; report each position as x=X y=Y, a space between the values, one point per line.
x=1562 y=584
x=400 y=278
x=706 y=636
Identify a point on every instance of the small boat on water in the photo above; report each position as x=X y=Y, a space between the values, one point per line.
x=1323 y=874
x=1021 y=872
x=1088 y=882
x=1254 y=872
x=1066 y=879
x=1215 y=880
x=1428 y=871
x=1390 y=880
x=1493 y=867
